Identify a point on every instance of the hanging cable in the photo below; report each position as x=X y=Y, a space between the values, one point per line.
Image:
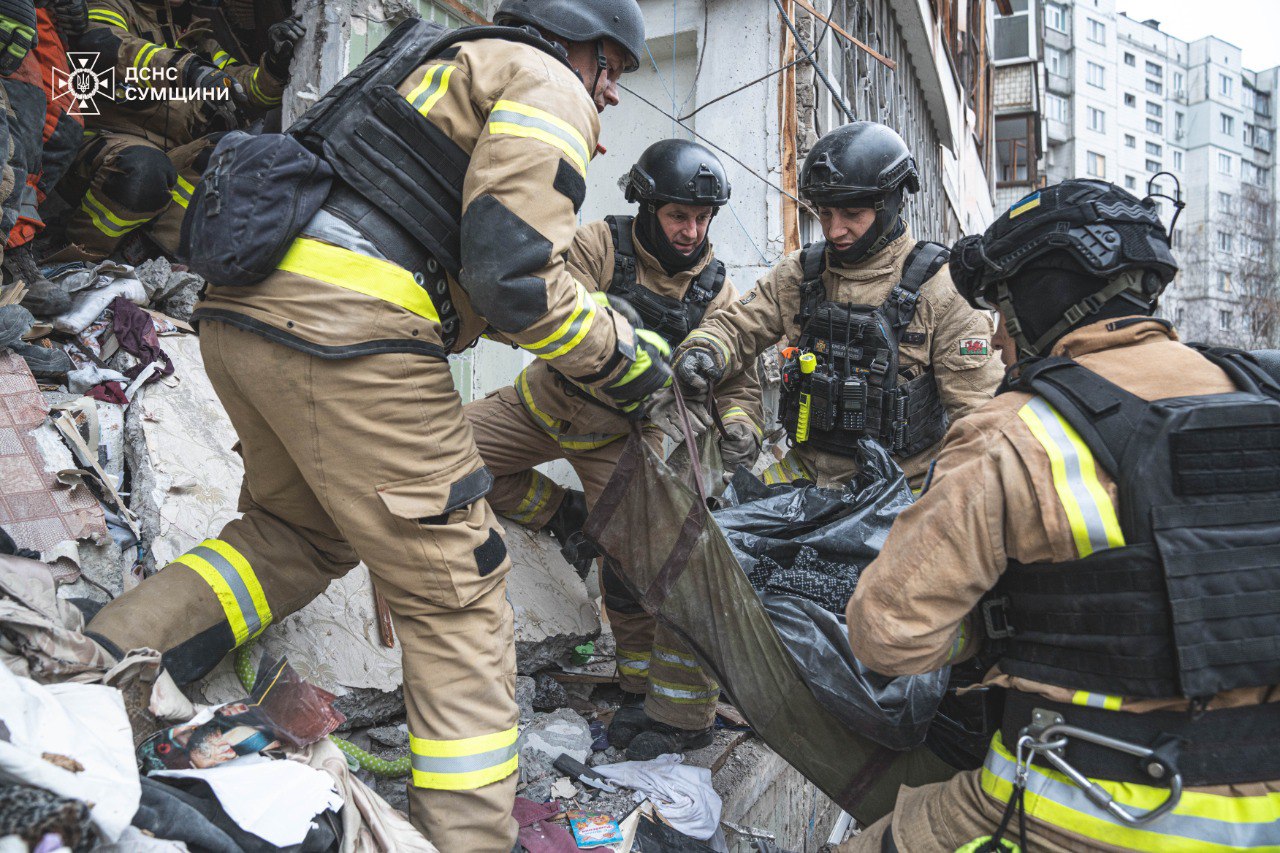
x=763 y=258
x=817 y=66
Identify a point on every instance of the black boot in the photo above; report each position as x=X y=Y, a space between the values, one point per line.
x=629 y=721
x=661 y=739
x=43 y=298
x=566 y=526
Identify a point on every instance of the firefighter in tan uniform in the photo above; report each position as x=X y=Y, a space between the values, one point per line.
x=333 y=371
x=662 y=265
x=1116 y=516
x=142 y=157
x=878 y=342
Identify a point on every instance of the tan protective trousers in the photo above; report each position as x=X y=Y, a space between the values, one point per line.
x=652 y=659
x=359 y=459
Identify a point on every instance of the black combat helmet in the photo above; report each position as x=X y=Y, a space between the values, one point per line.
x=678 y=171
x=582 y=20
x=1056 y=257
x=861 y=165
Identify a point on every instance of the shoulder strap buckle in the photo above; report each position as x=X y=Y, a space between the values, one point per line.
x=995 y=618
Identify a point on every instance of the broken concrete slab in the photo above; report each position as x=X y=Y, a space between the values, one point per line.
x=526 y=688
x=550 y=694
x=547 y=738
x=553 y=611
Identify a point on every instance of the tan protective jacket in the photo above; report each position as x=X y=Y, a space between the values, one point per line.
x=149 y=50
x=945 y=333
x=527 y=122
x=591 y=261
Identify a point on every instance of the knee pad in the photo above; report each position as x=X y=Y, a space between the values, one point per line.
x=616 y=595
x=144 y=180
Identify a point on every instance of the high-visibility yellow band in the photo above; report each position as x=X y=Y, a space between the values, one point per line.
x=571 y=332
x=534 y=500
x=182 y=192
x=683 y=694
x=515 y=119
x=434 y=86
x=235 y=585
x=671 y=657
x=257 y=92
x=107 y=16
x=633 y=663
x=721 y=347
x=463 y=764
x=1200 y=821
x=361 y=273
x=1097 y=700
x=1090 y=512
x=106 y=221
x=146 y=53
x=247 y=576
x=222 y=59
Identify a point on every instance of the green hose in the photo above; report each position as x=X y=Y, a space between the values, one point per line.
x=364 y=760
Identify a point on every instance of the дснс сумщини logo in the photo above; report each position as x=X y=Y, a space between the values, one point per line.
x=83 y=84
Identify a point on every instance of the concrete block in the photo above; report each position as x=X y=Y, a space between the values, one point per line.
x=547 y=738
x=553 y=611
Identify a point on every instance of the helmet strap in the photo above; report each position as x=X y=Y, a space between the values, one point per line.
x=1128 y=284
x=602 y=65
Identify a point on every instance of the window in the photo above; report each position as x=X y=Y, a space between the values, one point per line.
x=1153 y=166
x=1130 y=59
x=1224 y=321
x=1055 y=17
x=1227 y=124
x=1097 y=32
x=1154 y=149
x=1224 y=202
x=1154 y=109
x=1056 y=105
x=1154 y=126
x=1097 y=120
x=1262 y=104
x=1179 y=120
x=1178 y=88
x=1154 y=70
x=1097 y=165
x=1013 y=39
x=1224 y=241
x=1013 y=144
x=1224 y=85
x=1096 y=75
x=1155 y=87
x=1130 y=100
x=1177 y=161
x=1224 y=164
x=1224 y=281
x=1055 y=61
x=1130 y=183
x=1248 y=98
x=1130 y=141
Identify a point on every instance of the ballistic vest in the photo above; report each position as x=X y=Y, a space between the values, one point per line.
x=857 y=389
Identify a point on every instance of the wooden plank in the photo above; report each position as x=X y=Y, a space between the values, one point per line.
x=789 y=128
x=884 y=60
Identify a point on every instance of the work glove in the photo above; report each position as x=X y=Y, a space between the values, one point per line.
x=665 y=416
x=72 y=17
x=649 y=373
x=282 y=41
x=17 y=34
x=698 y=366
x=202 y=75
x=740 y=447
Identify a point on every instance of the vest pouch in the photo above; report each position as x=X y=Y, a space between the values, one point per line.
x=920 y=417
x=254 y=198
x=1222 y=572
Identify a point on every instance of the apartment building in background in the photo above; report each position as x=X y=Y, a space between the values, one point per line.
x=1123 y=101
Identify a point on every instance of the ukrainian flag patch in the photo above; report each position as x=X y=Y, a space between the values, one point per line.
x=1031 y=202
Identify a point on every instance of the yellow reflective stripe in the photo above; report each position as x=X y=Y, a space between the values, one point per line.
x=257 y=90
x=1097 y=700
x=1200 y=821
x=182 y=192
x=961 y=641
x=671 y=657
x=788 y=470
x=535 y=499
x=106 y=221
x=143 y=60
x=1092 y=516
x=464 y=764
x=698 y=334
x=515 y=119
x=222 y=59
x=739 y=412
x=360 y=273
x=633 y=663
x=592 y=441
x=235 y=585
x=571 y=332
x=434 y=86
x=554 y=427
x=107 y=16
x=683 y=694
x=549 y=424
x=247 y=577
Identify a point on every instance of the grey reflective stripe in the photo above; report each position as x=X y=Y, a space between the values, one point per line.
x=1176 y=824
x=465 y=763
x=330 y=229
x=584 y=313
x=510 y=117
x=1095 y=700
x=436 y=72
x=540 y=489
x=1094 y=526
x=675 y=659
x=235 y=582
x=682 y=693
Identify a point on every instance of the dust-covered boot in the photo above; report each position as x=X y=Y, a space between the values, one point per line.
x=43 y=297
x=629 y=721
x=566 y=526
x=661 y=739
